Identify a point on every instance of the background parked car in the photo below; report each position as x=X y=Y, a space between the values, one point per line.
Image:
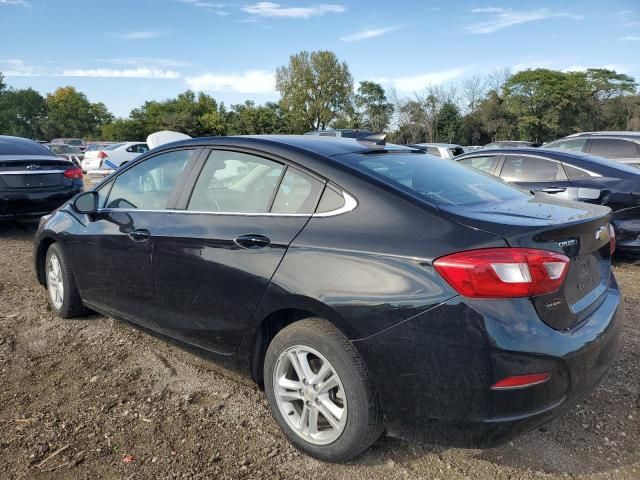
x=341 y=132
x=444 y=150
x=511 y=144
x=112 y=156
x=74 y=142
x=618 y=133
x=571 y=176
x=98 y=145
x=624 y=149
x=34 y=181
x=67 y=151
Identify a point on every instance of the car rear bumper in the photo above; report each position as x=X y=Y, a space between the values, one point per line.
x=433 y=373
x=16 y=205
x=626 y=224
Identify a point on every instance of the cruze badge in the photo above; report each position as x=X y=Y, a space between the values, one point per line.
x=602 y=233
x=567 y=243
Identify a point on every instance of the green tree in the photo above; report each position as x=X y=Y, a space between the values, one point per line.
x=314 y=87
x=22 y=113
x=498 y=122
x=449 y=123
x=70 y=114
x=251 y=119
x=373 y=108
x=547 y=103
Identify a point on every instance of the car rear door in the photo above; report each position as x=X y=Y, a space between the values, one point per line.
x=537 y=174
x=214 y=258
x=114 y=248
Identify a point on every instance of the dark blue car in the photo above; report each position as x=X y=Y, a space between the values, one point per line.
x=571 y=176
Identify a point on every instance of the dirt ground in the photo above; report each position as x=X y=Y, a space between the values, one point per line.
x=96 y=398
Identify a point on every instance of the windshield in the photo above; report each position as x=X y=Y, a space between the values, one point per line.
x=113 y=147
x=76 y=142
x=441 y=183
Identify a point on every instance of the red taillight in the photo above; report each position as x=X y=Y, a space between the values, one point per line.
x=73 y=173
x=612 y=239
x=503 y=272
x=102 y=155
x=521 y=381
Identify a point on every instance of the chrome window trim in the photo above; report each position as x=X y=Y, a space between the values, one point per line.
x=31 y=172
x=350 y=203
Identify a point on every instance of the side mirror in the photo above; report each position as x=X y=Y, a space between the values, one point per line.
x=86 y=202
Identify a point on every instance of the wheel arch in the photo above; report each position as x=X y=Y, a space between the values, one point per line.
x=41 y=256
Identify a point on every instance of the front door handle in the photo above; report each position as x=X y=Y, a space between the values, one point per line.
x=139 y=235
x=553 y=190
x=252 y=241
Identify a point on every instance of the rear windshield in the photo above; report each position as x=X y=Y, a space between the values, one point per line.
x=444 y=183
x=455 y=151
x=22 y=146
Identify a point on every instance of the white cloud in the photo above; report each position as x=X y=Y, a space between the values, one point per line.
x=631 y=38
x=252 y=81
x=499 y=18
x=421 y=81
x=123 y=73
x=17 y=68
x=216 y=8
x=14 y=3
x=367 y=34
x=140 y=35
x=270 y=9
x=145 y=61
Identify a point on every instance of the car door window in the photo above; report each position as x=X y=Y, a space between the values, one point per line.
x=575 y=145
x=149 y=185
x=576 y=173
x=484 y=163
x=524 y=169
x=234 y=182
x=614 y=148
x=297 y=193
x=331 y=200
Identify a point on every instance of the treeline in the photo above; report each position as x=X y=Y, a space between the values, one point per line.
x=318 y=91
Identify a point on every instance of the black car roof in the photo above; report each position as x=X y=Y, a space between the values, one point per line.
x=326 y=146
x=562 y=155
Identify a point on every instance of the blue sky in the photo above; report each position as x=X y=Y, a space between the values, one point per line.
x=125 y=52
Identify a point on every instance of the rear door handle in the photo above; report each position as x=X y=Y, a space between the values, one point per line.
x=139 y=235
x=553 y=190
x=252 y=241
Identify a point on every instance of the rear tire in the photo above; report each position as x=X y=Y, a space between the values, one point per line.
x=64 y=298
x=343 y=416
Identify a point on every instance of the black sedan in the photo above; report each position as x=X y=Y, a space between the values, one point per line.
x=571 y=176
x=34 y=181
x=366 y=287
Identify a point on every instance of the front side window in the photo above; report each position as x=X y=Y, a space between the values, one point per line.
x=484 y=163
x=531 y=169
x=297 y=193
x=235 y=182
x=575 y=145
x=149 y=185
x=614 y=148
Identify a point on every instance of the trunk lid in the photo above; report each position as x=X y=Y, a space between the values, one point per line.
x=578 y=230
x=34 y=173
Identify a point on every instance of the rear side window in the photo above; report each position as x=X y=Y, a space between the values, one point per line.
x=149 y=185
x=518 y=168
x=331 y=200
x=454 y=152
x=441 y=183
x=575 y=145
x=297 y=193
x=434 y=151
x=484 y=163
x=575 y=173
x=234 y=182
x=614 y=148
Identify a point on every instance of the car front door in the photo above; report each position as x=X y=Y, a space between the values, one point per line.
x=537 y=174
x=115 y=248
x=214 y=259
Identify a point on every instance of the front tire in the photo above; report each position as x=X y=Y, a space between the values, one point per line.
x=64 y=298
x=319 y=391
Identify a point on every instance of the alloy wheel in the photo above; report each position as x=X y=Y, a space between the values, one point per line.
x=55 y=283
x=310 y=395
